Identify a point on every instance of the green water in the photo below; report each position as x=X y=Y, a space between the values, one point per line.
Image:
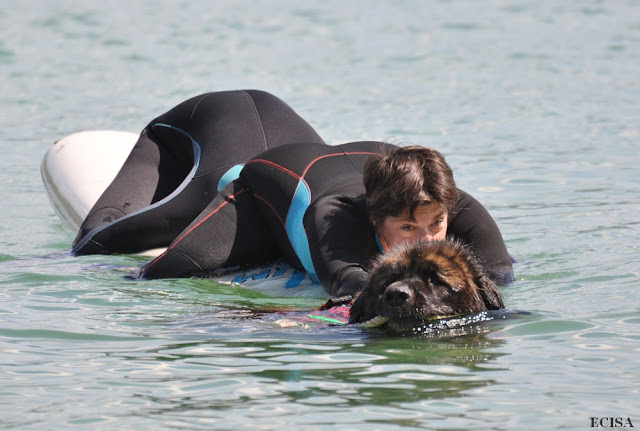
x=534 y=104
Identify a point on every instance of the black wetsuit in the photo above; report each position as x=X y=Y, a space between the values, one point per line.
x=301 y=199
x=305 y=202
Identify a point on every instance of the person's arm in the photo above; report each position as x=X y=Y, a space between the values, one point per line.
x=341 y=242
x=473 y=224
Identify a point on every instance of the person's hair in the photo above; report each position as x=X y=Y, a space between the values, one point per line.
x=405 y=178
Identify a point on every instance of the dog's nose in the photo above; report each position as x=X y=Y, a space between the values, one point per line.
x=397 y=294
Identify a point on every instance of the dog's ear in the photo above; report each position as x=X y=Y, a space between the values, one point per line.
x=489 y=292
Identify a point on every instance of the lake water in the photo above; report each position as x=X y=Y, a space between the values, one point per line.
x=536 y=106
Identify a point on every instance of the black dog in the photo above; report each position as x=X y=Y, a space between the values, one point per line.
x=423 y=281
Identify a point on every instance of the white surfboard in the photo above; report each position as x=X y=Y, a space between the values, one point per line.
x=79 y=167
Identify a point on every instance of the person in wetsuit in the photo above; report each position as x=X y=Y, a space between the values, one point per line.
x=329 y=210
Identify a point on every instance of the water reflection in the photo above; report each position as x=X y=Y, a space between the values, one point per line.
x=236 y=360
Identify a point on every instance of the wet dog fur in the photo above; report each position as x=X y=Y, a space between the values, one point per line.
x=422 y=281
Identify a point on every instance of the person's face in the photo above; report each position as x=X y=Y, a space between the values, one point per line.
x=429 y=222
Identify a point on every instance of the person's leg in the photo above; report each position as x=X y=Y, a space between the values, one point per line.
x=129 y=216
x=229 y=232
x=176 y=167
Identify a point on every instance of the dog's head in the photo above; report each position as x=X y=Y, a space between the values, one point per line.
x=422 y=281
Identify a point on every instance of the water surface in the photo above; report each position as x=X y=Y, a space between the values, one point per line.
x=534 y=104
